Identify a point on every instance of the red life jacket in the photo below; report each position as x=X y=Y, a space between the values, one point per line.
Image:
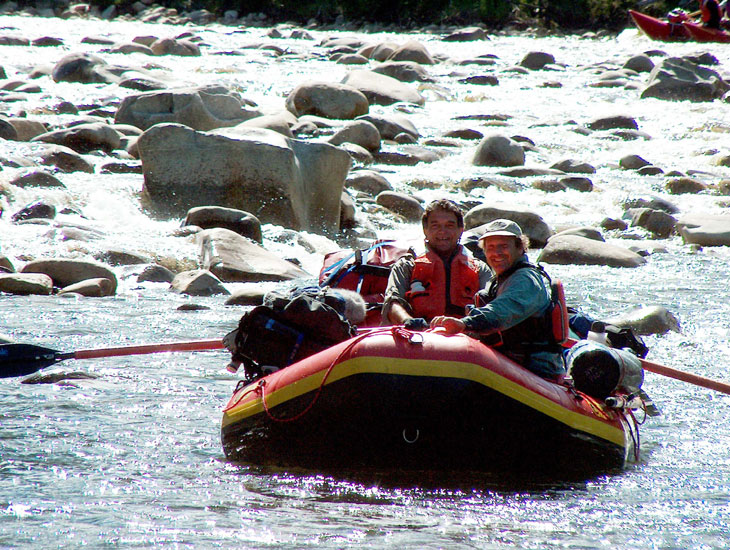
x=427 y=295
x=710 y=13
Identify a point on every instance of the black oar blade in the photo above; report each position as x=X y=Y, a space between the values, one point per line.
x=22 y=359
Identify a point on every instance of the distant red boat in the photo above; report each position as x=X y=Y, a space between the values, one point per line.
x=705 y=34
x=659 y=29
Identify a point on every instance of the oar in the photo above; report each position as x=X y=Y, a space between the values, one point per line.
x=677 y=374
x=22 y=359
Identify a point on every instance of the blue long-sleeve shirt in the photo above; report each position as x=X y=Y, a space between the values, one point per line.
x=523 y=294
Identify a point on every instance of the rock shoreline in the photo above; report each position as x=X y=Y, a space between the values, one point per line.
x=210 y=155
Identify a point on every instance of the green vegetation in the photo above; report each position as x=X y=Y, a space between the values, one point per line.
x=563 y=14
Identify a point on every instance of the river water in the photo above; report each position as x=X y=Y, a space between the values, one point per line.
x=132 y=458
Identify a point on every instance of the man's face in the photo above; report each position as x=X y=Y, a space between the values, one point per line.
x=501 y=252
x=442 y=232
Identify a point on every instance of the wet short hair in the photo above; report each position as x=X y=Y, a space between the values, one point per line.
x=447 y=206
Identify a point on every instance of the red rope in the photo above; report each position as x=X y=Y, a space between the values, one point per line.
x=396 y=331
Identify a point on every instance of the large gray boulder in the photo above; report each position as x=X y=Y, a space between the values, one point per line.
x=412 y=51
x=284 y=181
x=531 y=223
x=498 y=150
x=381 y=89
x=705 y=230
x=647 y=320
x=327 y=99
x=83 y=67
x=573 y=249
x=66 y=272
x=84 y=138
x=202 y=108
x=25 y=283
x=678 y=78
x=238 y=221
x=233 y=258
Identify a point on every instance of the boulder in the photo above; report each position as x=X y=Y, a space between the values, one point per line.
x=466 y=35
x=412 y=51
x=633 y=162
x=37 y=178
x=63 y=158
x=586 y=232
x=381 y=89
x=705 y=229
x=198 y=282
x=391 y=126
x=85 y=68
x=577 y=250
x=23 y=129
x=681 y=186
x=498 y=150
x=647 y=320
x=155 y=273
x=208 y=217
x=84 y=138
x=25 y=284
x=173 y=46
x=367 y=181
x=281 y=122
x=35 y=210
x=613 y=122
x=537 y=60
x=201 y=108
x=405 y=71
x=116 y=256
x=65 y=272
x=327 y=99
x=531 y=223
x=248 y=294
x=402 y=204
x=360 y=132
x=677 y=78
x=233 y=258
x=283 y=181
x=92 y=288
x=639 y=63
x=658 y=222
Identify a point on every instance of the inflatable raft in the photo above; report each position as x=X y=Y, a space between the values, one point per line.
x=660 y=29
x=392 y=398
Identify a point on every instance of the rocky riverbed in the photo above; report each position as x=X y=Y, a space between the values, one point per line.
x=156 y=172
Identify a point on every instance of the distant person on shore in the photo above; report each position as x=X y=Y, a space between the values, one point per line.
x=516 y=315
x=710 y=14
x=441 y=281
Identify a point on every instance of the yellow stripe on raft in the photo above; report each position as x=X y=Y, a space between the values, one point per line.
x=436 y=368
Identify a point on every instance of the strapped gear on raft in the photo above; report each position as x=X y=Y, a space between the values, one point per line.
x=287 y=329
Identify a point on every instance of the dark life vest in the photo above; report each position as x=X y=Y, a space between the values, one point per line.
x=546 y=331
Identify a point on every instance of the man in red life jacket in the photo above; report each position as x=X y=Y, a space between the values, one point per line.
x=516 y=315
x=442 y=281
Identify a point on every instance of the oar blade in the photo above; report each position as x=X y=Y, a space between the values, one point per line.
x=22 y=359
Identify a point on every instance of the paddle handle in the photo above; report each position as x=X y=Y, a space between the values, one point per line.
x=196 y=345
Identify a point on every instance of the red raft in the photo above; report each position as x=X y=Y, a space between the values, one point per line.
x=705 y=34
x=391 y=398
x=659 y=29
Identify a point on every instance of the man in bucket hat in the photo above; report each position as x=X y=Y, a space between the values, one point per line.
x=516 y=306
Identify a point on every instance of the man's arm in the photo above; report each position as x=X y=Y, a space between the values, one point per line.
x=395 y=306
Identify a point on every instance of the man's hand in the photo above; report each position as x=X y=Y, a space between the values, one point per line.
x=417 y=323
x=451 y=325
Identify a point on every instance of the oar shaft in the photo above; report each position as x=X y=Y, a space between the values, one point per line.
x=197 y=345
x=686 y=377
